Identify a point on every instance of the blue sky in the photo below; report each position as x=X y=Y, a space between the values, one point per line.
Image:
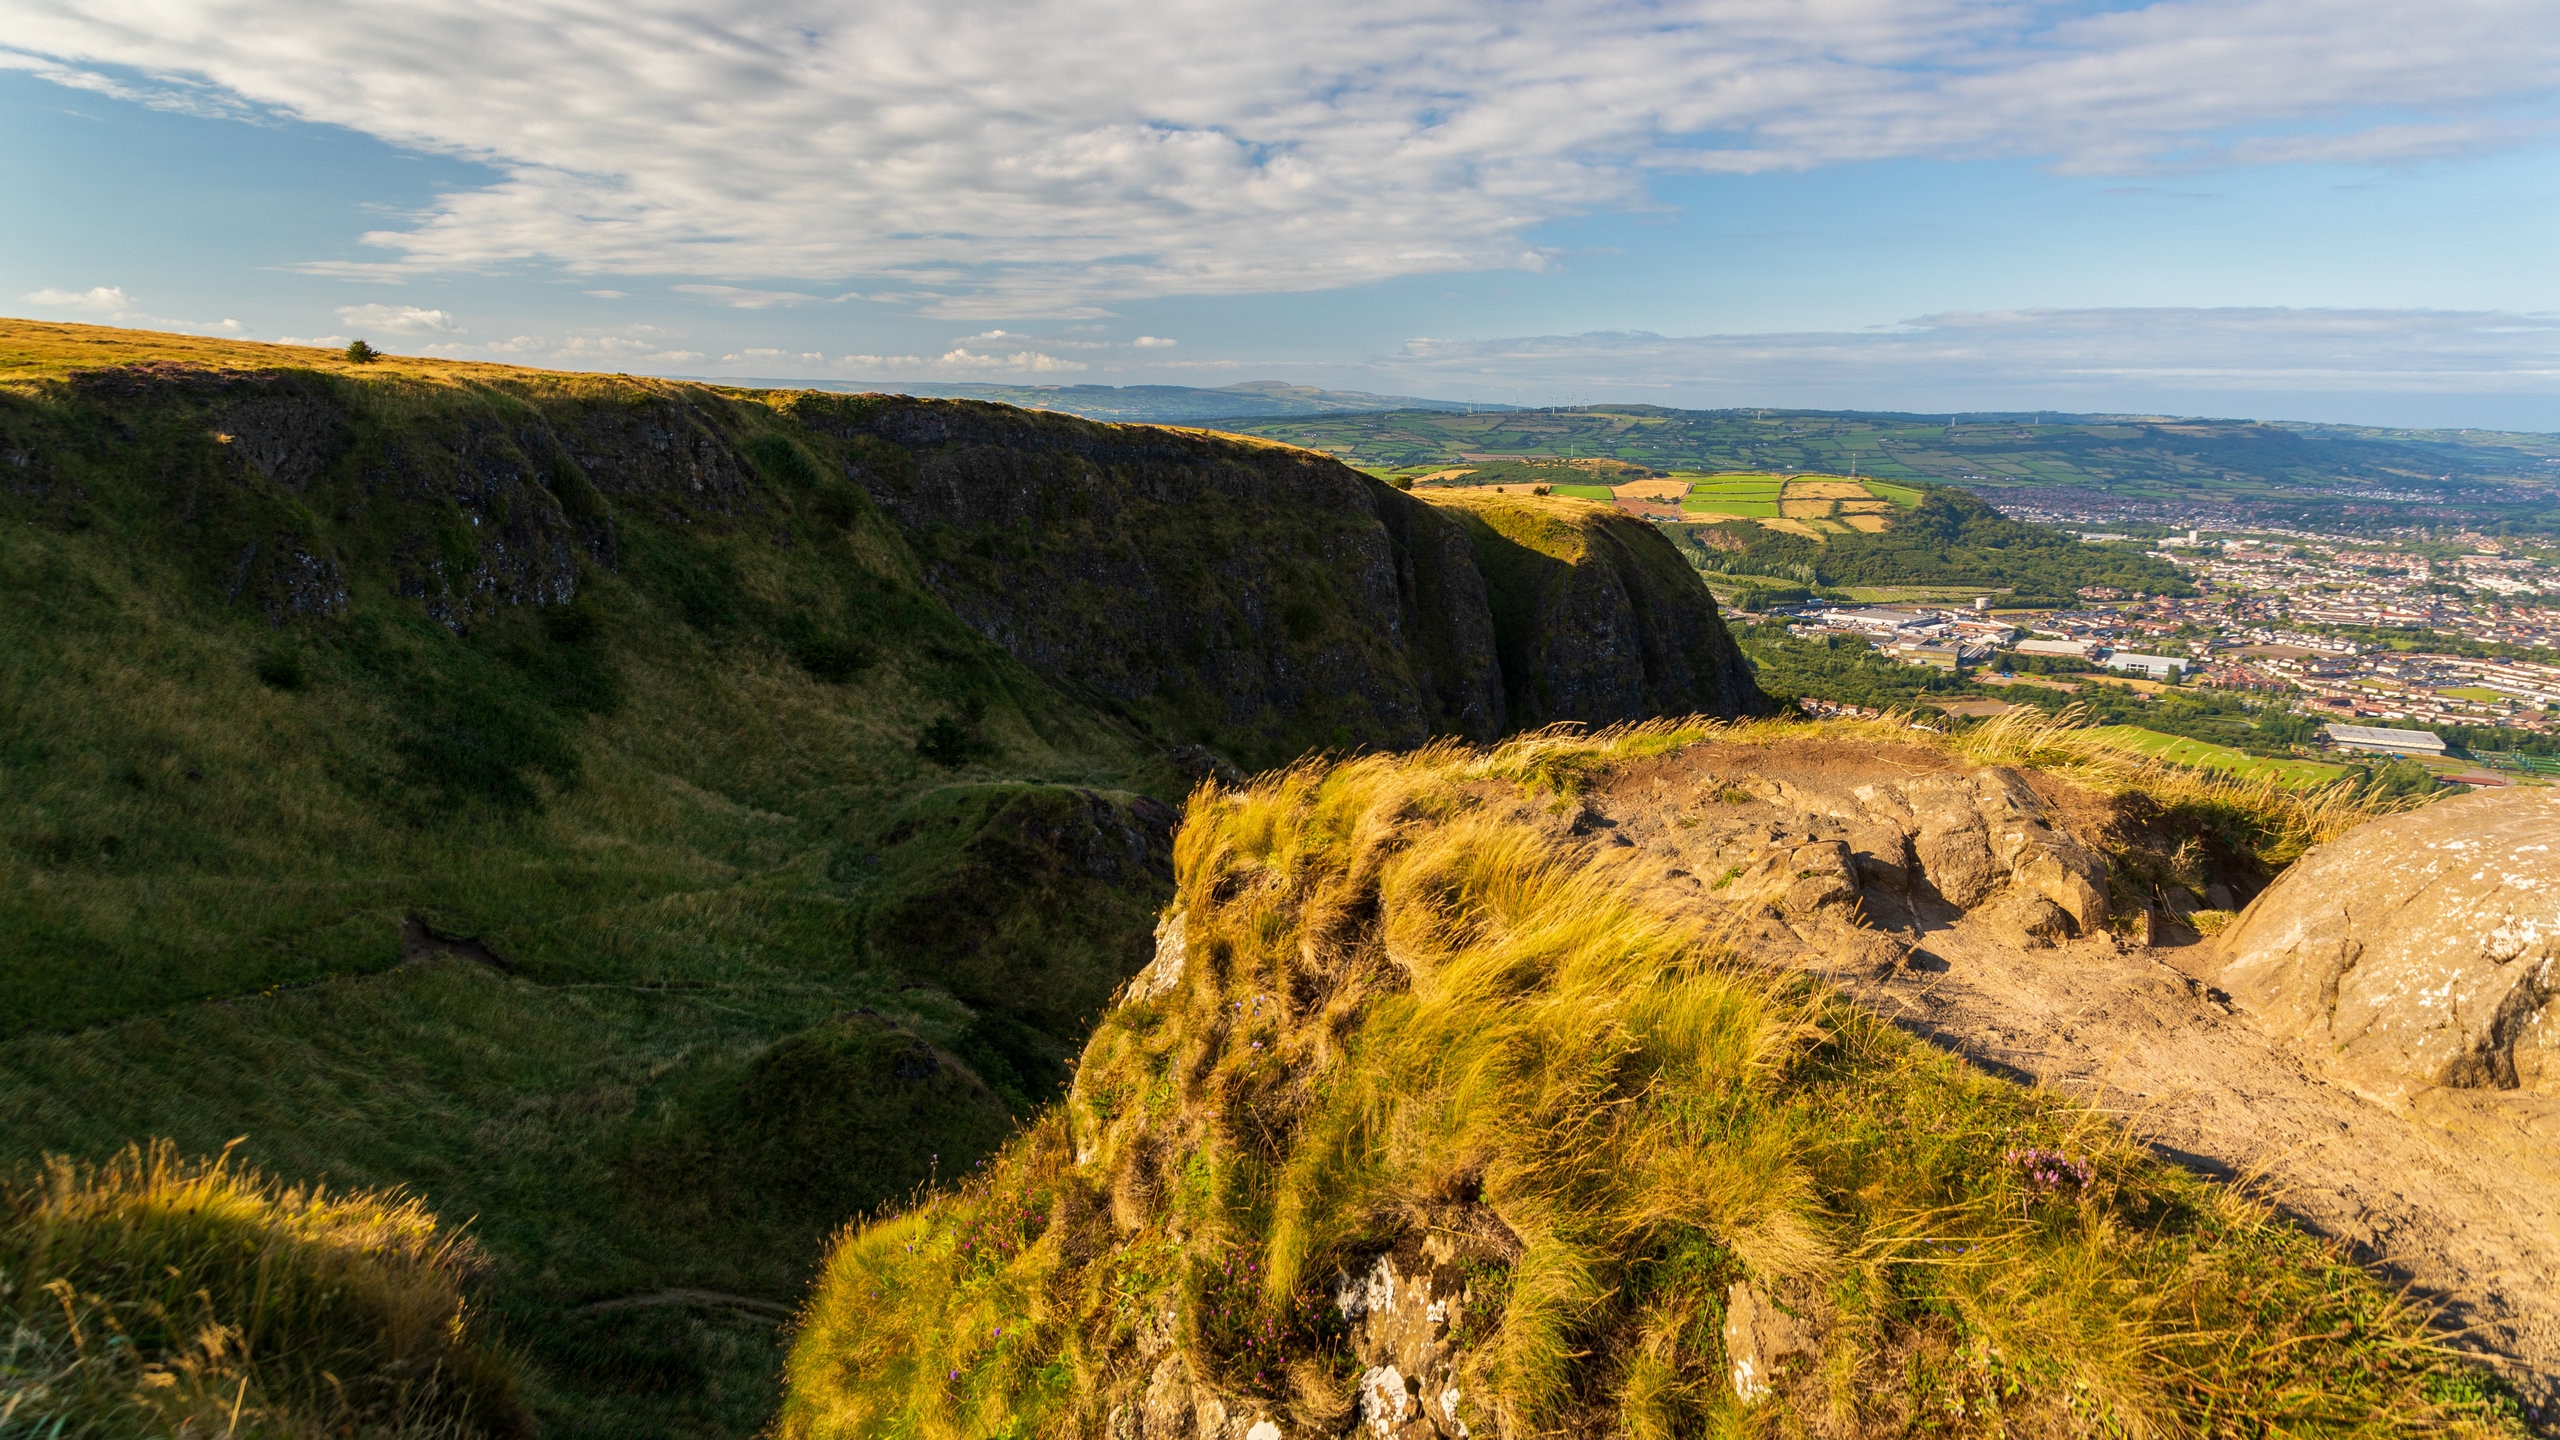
x=2314 y=209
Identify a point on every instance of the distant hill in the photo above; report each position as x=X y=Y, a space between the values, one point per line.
x=2133 y=466
x=1147 y=404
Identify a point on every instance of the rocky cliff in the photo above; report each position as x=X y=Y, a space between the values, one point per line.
x=1596 y=616
x=1245 y=595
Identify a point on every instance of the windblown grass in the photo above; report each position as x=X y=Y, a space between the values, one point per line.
x=155 y=1295
x=1401 y=1010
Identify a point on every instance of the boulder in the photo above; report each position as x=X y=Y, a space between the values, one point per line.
x=2417 y=950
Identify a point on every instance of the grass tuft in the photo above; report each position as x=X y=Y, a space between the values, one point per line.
x=157 y=1295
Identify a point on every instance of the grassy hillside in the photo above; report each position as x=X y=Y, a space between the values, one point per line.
x=598 y=804
x=1405 y=1029
x=301 y=671
x=1145 y=404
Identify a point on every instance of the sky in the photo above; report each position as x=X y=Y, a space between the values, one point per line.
x=2339 y=210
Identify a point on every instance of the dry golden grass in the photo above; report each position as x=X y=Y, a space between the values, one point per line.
x=1651 y=490
x=1826 y=490
x=1870 y=524
x=155 y=1295
x=1791 y=527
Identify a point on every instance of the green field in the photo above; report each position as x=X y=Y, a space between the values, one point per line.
x=1717 y=505
x=2199 y=755
x=1601 y=493
x=2481 y=693
x=1902 y=495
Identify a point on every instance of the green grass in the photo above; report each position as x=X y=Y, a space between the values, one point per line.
x=1902 y=495
x=687 y=811
x=2181 y=751
x=1404 y=1012
x=2480 y=693
x=1716 y=505
x=1600 y=493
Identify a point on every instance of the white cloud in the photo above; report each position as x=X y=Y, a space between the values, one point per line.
x=109 y=301
x=2098 y=359
x=1029 y=362
x=986 y=157
x=739 y=297
x=398 y=319
x=111 y=304
x=1154 y=342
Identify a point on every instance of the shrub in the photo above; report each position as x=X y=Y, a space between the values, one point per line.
x=156 y=1295
x=949 y=743
x=359 y=353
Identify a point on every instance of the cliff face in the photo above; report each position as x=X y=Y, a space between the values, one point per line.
x=1277 y=600
x=1265 y=598
x=1255 y=598
x=1596 y=617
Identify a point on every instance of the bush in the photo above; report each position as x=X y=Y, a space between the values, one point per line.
x=155 y=1295
x=359 y=353
x=949 y=743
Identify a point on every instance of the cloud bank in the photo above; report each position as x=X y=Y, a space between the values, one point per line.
x=1004 y=157
x=2385 y=366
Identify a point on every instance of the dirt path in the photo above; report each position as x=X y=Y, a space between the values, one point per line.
x=2458 y=1197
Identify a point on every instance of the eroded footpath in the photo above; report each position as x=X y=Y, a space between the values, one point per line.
x=1968 y=904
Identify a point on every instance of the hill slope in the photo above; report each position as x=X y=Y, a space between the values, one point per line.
x=2335 y=475
x=625 y=811
x=1446 y=1109
x=1145 y=404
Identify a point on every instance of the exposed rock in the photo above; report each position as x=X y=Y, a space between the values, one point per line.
x=1761 y=1336
x=1163 y=972
x=2418 y=950
x=1403 y=1310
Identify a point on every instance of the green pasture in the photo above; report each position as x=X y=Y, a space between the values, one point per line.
x=2481 y=693
x=1716 y=505
x=1600 y=493
x=2196 y=754
x=1902 y=495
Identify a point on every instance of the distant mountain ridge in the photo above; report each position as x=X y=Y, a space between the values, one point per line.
x=1142 y=404
x=2117 y=467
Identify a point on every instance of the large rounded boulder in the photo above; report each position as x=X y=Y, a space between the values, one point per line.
x=2417 y=950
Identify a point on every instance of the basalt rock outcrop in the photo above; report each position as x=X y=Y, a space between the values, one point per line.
x=2418 y=950
x=1272 y=598
x=1596 y=615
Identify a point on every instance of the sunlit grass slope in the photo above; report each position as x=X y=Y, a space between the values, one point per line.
x=1407 y=1007
x=159 y=1296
